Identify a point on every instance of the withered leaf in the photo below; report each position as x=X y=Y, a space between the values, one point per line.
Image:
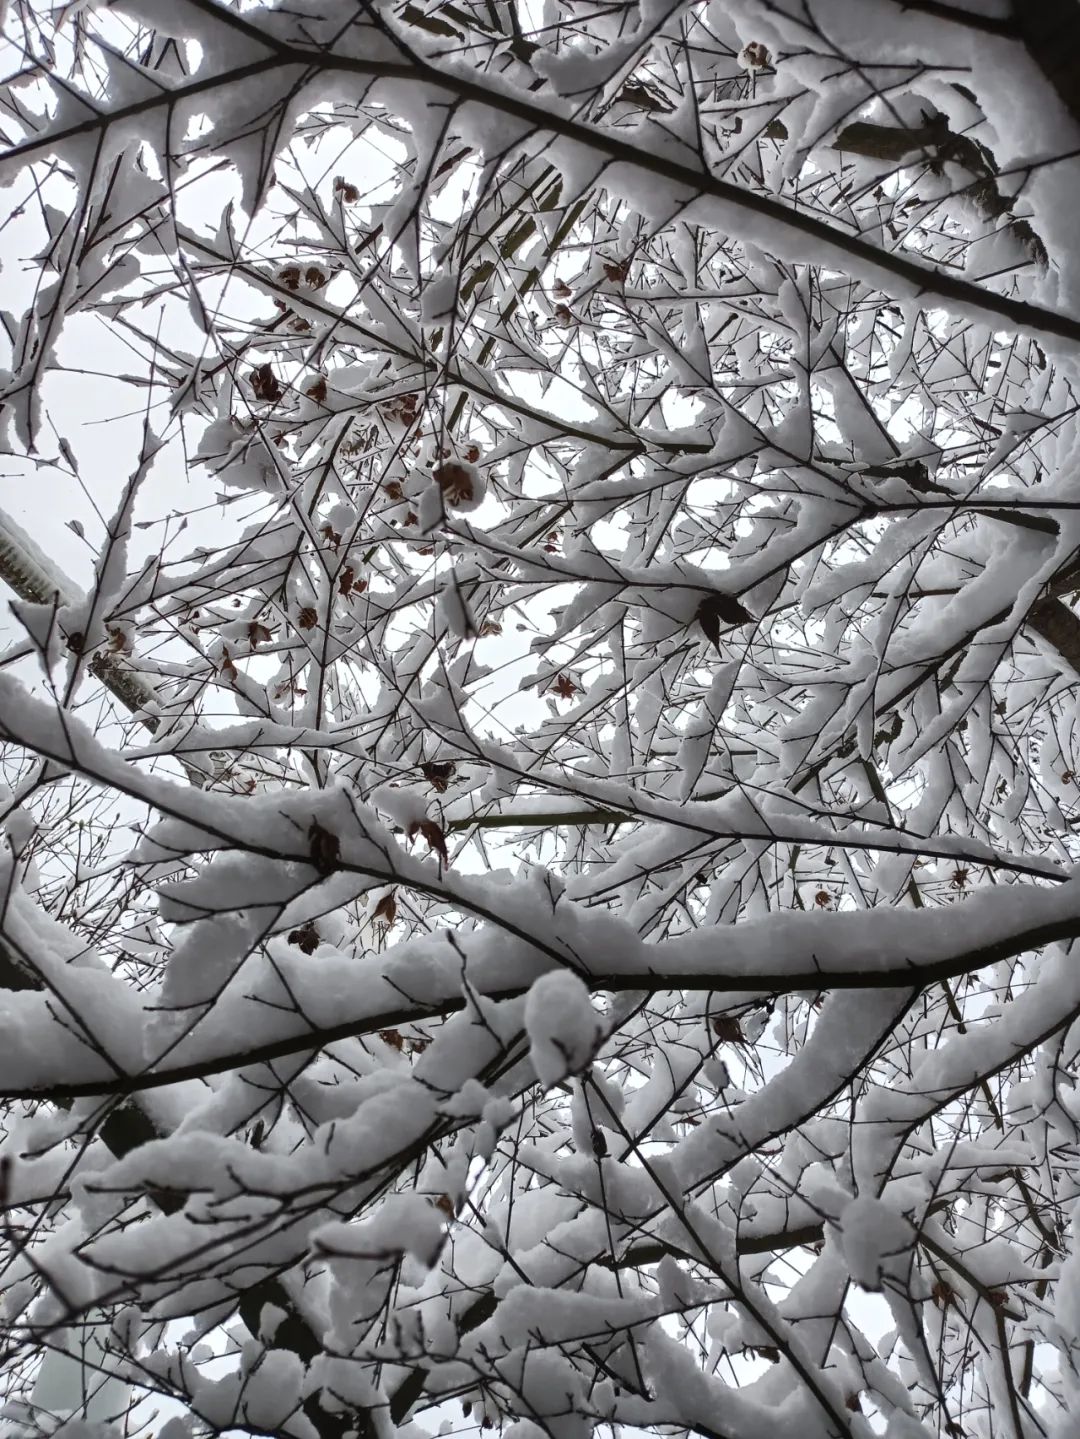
x=306 y=938
x=258 y=634
x=345 y=579
x=599 y=1143
x=617 y=271
x=317 y=389
x=446 y=1204
x=325 y=848
x=290 y=277
x=728 y=1028
x=392 y=1038
x=433 y=834
x=718 y=612
x=455 y=481
x=564 y=687
x=438 y=774
x=265 y=384
x=386 y=909
x=308 y=618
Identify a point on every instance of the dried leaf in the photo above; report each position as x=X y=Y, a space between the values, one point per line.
x=392 y=1038
x=258 y=634
x=265 y=385
x=433 y=834
x=446 y=1204
x=308 y=618
x=718 y=612
x=617 y=271
x=564 y=687
x=728 y=1028
x=386 y=909
x=325 y=848
x=455 y=481
x=317 y=389
x=438 y=775
x=306 y=938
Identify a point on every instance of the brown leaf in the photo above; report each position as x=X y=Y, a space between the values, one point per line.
x=446 y=1204
x=265 y=385
x=943 y=1294
x=290 y=277
x=228 y=669
x=386 y=909
x=766 y=1351
x=258 y=634
x=717 y=612
x=490 y=627
x=315 y=277
x=564 y=687
x=433 y=834
x=331 y=535
x=564 y=316
x=635 y=93
x=823 y=899
x=852 y=1402
x=472 y=454
x=392 y=1038
x=345 y=579
x=119 y=641
x=349 y=193
x=394 y=490
x=308 y=618
x=728 y=1028
x=757 y=55
x=599 y=1143
x=455 y=481
x=306 y=938
x=561 y=290
x=438 y=775
x=325 y=848
x=317 y=389
x=617 y=271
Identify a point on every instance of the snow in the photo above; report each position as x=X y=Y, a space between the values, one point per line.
x=562 y=1025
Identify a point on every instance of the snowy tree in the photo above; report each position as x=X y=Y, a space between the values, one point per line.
x=539 y=717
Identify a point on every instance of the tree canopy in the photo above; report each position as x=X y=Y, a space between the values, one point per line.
x=538 y=718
